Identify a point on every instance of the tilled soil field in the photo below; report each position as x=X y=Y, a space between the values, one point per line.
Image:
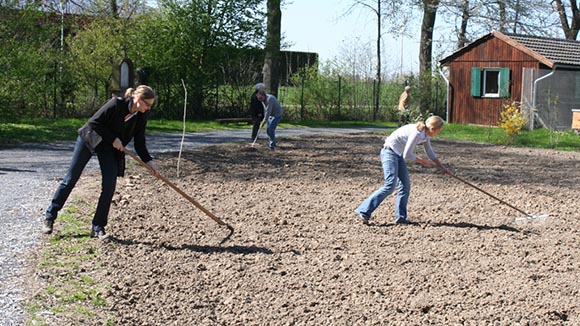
x=299 y=257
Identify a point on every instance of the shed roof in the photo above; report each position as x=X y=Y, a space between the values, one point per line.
x=549 y=51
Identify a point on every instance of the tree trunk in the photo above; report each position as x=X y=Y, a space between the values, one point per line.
x=425 y=51
x=378 y=75
x=502 y=16
x=271 y=69
x=518 y=8
x=465 y=15
x=426 y=47
x=114 y=9
x=570 y=30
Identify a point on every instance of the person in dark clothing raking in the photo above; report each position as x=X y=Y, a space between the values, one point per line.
x=256 y=110
x=106 y=134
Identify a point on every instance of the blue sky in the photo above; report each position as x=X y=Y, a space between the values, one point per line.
x=321 y=26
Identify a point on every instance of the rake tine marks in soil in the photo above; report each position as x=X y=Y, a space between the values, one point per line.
x=186 y=196
x=528 y=217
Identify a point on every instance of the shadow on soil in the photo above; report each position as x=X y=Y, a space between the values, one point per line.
x=475 y=226
x=14 y=170
x=461 y=225
x=242 y=250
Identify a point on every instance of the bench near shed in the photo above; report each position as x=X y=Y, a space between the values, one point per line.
x=235 y=120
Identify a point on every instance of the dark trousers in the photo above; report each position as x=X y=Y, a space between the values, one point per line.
x=255 y=126
x=404 y=119
x=81 y=157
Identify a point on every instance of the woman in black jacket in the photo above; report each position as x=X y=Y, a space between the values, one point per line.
x=106 y=133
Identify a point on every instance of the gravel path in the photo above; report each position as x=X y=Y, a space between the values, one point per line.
x=30 y=173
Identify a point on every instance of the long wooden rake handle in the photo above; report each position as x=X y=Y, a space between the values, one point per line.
x=258 y=133
x=186 y=196
x=490 y=195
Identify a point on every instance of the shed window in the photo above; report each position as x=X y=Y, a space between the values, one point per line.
x=490 y=82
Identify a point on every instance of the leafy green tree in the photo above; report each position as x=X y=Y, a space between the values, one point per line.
x=187 y=40
x=95 y=51
x=28 y=61
x=318 y=93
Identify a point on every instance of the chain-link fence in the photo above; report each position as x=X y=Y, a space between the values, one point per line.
x=338 y=98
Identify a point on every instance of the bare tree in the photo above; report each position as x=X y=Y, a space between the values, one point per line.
x=271 y=69
x=570 y=29
x=375 y=7
x=355 y=60
x=475 y=17
x=458 y=13
x=465 y=14
x=515 y=16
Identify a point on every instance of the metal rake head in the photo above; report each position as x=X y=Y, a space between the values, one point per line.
x=533 y=217
x=231 y=232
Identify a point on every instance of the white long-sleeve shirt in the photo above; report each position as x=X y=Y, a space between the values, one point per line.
x=403 y=141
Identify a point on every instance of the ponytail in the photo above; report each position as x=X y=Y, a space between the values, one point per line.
x=431 y=122
x=420 y=126
x=129 y=92
x=143 y=91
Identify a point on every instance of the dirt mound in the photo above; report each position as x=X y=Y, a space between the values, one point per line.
x=298 y=257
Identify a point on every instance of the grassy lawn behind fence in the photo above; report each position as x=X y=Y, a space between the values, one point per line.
x=47 y=130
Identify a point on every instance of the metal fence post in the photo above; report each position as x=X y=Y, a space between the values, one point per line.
x=375 y=100
x=302 y=97
x=339 y=94
x=435 y=107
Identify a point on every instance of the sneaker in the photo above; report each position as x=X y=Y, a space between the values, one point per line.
x=47 y=226
x=363 y=219
x=99 y=234
x=403 y=221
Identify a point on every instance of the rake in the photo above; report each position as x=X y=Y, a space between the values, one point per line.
x=261 y=124
x=186 y=196
x=527 y=215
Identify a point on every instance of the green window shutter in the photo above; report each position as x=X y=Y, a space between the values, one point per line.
x=504 y=82
x=475 y=82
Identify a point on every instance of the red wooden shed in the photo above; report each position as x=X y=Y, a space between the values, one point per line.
x=542 y=74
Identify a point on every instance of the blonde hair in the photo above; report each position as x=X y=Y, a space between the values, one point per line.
x=142 y=91
x=433 y=121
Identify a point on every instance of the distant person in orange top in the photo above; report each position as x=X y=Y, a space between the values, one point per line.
x=404 y=106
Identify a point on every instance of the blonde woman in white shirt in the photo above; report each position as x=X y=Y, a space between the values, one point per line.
x=397 y=150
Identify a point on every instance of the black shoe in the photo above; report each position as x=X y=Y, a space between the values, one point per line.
x=99 y=234
x=404 y=222
x=47 y=226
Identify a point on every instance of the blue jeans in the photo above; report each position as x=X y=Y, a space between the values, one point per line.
x=271 y=130
x=395 y=170
x=81 y=156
